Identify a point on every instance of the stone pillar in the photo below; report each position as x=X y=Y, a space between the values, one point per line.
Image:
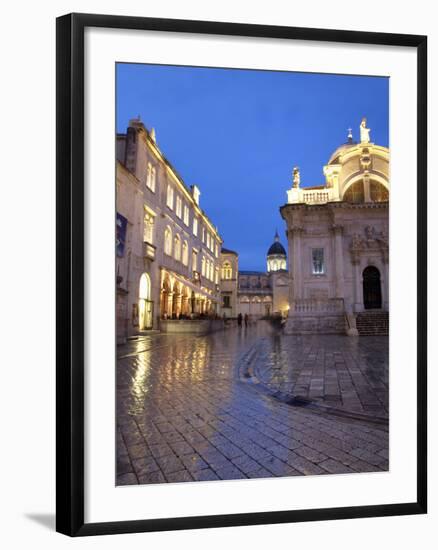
x=385 y=285
x=366 y=189
x=297 y=267
x=358 y=290
x=170 y=304
x=339 y=261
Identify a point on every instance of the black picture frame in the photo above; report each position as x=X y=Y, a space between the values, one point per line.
x=70 y=273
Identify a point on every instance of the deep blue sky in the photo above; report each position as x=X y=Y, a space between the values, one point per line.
x=237 y=134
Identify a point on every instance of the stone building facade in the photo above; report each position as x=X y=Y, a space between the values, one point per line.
x=338 y=240
x=255 y=293
x=169 y=265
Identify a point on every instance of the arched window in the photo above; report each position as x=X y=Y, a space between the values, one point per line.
x=378 y=192
x=227 y=271
x=177 y=248
x=145 y=287
x=168 y=241
x=185 y=253
x=355 y=193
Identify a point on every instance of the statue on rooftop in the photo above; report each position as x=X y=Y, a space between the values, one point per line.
x=364 y=131
x=296 y=177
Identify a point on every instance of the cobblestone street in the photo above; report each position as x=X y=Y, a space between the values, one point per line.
x=250 y=403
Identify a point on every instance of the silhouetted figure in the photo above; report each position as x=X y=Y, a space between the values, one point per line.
x=246 y=318
x=239 y=319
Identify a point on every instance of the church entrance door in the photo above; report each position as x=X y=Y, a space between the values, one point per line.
x=372 y=291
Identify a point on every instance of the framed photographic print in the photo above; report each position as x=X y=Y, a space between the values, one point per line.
x=241 y=274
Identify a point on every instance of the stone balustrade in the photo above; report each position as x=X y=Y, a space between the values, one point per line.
x=311 y=305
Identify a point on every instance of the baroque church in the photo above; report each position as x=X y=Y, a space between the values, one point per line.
x=338 y=248
x=335 y=276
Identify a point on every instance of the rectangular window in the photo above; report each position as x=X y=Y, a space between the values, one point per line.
x=203 y=234
x=318 y=267
x=148 y=228
x=195 y=227
x=150 y=177
x=226 y=301
x=186 y=214
x=169 y=200
x=194 y=261
x=178 y=209
x=208 y=239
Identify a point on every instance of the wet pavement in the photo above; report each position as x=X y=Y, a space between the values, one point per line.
x=225 y=406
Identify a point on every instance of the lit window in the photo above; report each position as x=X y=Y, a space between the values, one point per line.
x=194 y=261
x=216 y=275
x=169 y=199
x=186 y=214
x=203 y=234
x=318 y=261
x=208 y=239
x=150 y=176
x=177 y=248
x=195 y=226
x=355 y=193
x=217 y=251
x=148 y=229
x=168 y=241
x=178 y=209
x=378 y=192
x=185 y=253
x=203 y=266
x=227 y=271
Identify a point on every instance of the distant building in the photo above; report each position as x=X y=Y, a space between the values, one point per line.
x=255 y=293
x=168 y=266
x=338 y=243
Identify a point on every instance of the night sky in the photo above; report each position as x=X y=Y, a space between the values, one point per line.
x=238 y=134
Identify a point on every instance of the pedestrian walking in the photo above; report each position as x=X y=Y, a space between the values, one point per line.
x=246 y=318
x=239 y=319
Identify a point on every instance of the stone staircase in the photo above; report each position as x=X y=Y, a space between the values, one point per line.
x=373 y=323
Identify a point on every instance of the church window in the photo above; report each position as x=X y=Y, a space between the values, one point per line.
x=355 y=193
x=318 y=267
x=378 y=192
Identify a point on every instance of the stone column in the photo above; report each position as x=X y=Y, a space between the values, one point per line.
x=385 y=286
x=358 y=290
x=297 y=267
x=339 y=260
x=169 y=304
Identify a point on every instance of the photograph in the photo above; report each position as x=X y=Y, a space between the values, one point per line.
x=252 y=274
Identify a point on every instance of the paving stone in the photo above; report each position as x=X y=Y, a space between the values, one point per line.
x=196 y=420
x=127 y=479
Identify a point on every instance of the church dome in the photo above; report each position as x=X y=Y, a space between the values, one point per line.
x=276 y=248
x=276 y=255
